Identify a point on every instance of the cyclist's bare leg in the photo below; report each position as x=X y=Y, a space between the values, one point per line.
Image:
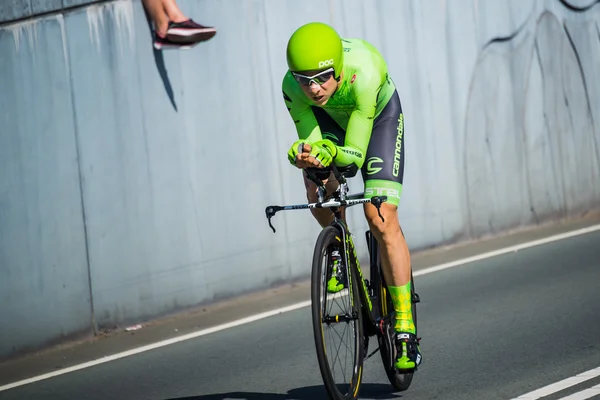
x=395 y=260
x=324 y=216
x=174 y=12
x=395 y=256
x=156 y=10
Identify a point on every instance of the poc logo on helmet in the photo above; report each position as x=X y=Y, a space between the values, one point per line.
x=326 y=63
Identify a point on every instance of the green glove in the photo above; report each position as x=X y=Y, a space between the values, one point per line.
x=324 y=151
x=295 y=150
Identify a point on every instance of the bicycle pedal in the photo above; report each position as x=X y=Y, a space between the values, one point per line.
x=416 y=298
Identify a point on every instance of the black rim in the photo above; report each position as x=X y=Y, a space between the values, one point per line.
x=336 y=324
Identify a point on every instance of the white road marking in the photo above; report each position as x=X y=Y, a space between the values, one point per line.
x=564 y=384
x=157 y=345
x=510 y=249
x=292 y=307
x=586 y=394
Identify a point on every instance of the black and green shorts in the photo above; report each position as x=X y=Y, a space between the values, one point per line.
x=383 y=169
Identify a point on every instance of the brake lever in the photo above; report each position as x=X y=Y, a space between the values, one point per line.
x=377 y=201
x=271 y=225
x=270 y=212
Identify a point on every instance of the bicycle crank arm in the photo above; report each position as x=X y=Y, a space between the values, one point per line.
x=384 y=326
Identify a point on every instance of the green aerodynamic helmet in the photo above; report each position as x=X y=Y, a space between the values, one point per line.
x=315 y=46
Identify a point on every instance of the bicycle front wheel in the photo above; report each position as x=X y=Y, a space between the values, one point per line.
x=337 y=321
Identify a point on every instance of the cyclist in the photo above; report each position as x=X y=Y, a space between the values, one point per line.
x=347 y=111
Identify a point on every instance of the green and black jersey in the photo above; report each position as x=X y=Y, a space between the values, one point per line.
x=364 y=91
x=363 y=118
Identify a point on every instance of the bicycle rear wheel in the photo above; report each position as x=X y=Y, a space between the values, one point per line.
x=337 y=322
x=399 y=380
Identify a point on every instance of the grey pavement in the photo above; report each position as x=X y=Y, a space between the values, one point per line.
x=492 y=329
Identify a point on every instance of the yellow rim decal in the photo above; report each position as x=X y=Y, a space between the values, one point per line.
x=358 y=381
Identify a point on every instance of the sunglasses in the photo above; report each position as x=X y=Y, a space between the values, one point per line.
x=319 y=78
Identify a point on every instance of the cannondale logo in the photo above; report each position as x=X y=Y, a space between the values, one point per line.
x=371 y=169
x=326 y=63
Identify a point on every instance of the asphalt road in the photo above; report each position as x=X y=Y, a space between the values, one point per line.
x=493 y=329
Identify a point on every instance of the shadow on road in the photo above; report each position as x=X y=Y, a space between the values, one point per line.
x=370 y=391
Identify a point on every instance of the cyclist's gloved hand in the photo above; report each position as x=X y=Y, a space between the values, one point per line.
x=324 y=151
x=299 y=146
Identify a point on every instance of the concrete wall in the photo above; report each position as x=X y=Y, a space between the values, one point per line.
x=11 y=10
x=133 y=182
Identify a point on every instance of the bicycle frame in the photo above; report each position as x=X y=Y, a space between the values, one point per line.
x=338 y=200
